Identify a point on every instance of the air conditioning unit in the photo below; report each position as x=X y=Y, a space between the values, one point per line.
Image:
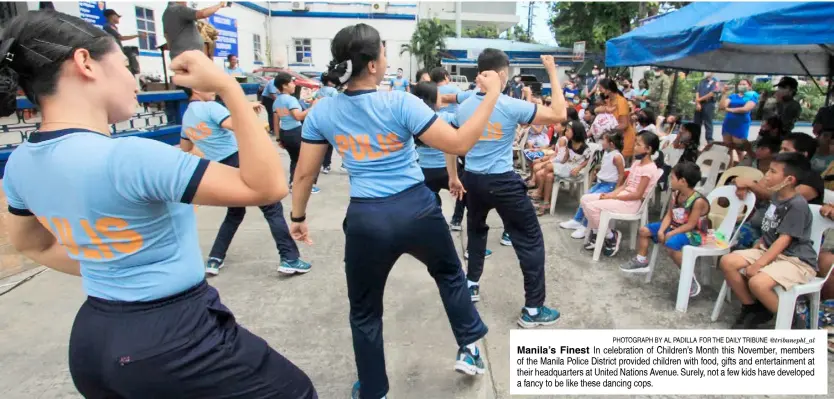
x=379 y=7
x=299 y=6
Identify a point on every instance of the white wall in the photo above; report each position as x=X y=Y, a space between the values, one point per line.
x=322 y=30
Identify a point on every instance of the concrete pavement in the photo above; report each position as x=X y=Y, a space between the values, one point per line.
x=306 y=317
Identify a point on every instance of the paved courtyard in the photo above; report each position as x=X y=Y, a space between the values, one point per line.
x=306 y=317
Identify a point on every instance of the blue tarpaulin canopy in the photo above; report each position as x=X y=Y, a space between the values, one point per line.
x=787 y=38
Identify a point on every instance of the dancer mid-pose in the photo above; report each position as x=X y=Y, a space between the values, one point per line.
x=120 y=208
x=208 y=125
x=391 y=210
x=491 y=183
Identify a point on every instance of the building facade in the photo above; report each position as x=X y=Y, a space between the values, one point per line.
x=294 y=34
x=501 y=14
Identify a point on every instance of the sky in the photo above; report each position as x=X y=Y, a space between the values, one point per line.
x=541 y=14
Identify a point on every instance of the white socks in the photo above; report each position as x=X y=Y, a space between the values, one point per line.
x=473 y=348
x=470 y=283
x=641 y=258
x=610 y=234
x=532 y=311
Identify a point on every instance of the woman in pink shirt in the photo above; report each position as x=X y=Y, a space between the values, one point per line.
x=626 y=198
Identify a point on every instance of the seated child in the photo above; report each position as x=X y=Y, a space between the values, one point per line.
x=783 y=256
x=611 y=174
x=558 y=150
x=576 y=157
x=602 y=123
x=685 y=223
x=537 y=141
x=688 y=140
x=809 y=185
x=628 y=197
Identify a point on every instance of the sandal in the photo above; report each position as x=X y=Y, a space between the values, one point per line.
x=544 y=208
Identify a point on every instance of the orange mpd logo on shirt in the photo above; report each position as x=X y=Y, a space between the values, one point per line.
x=361 y=148
x=199 y=132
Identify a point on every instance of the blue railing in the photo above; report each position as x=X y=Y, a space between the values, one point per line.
x=160 y=118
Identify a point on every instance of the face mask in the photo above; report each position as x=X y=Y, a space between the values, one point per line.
x=595 y=73
x=742 y=89
x=779 y=186
x=639 y=156
x=584 y=105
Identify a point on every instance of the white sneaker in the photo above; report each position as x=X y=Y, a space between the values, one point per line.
x=579 y=233
x=571 y=224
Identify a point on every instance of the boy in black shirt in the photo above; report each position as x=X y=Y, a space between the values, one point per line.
x=784 y=255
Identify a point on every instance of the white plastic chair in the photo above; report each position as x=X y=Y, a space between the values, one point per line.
x=717 y=213
x=666 y=142
x=718 y=161
x=640 y=217
x=519 y=149
x=787 y=299
x=828 y=198
x=691 y=253
x=583 y=179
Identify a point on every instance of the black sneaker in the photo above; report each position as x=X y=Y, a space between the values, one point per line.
x=751 y=317
x=759 y=318
x=592 y=242
x=612 y=245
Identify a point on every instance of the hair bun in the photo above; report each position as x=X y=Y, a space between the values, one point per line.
x=340 y=72
x=8 y=91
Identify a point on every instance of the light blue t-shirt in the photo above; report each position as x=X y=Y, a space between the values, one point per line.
x=201 y=124
x=431 y=158
x=399 y=84
x=464 y=95
x=269 y=89
x=234 y=71
x=493 y=153
x=282 y=105
x=448 y=89
x=373 y=132
x=119 y=206
x=327 y=91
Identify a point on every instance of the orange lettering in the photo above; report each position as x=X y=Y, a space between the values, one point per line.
x=95 y=240
x=389 y=143
x=64 y=230
x=342 y=144
x=363 y=144
x=125 y=240
x=492 y=132
x=198 y=132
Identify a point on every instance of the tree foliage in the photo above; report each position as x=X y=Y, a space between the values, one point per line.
x=597 y=22
x=519 y=34
x=427 y=42
x=481 y=31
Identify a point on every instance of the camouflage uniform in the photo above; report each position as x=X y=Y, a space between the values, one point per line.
x=659 y=88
